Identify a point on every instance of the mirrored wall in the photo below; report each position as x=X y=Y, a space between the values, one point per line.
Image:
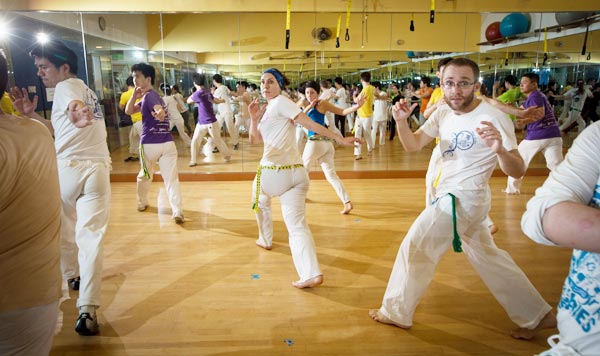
x=237 y=47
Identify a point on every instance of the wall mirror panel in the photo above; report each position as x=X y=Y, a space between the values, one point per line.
x=240 y=45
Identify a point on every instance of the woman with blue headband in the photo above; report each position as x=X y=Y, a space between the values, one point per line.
x=282 y=174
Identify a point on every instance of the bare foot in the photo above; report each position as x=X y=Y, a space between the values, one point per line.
x=347 y=208
x=260 y=244
x=493 y=229
x=548 y=322
x=377 y=316
x=517 y=192
x=358 y=157
x=313 y=282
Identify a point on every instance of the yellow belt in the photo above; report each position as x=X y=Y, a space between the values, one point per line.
x=258 y=172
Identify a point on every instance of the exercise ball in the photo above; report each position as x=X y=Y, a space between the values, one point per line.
x=563 y=18
x=410 y=54
x=514 y=24
x=492 y=32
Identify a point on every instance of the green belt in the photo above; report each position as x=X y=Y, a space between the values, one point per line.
x=258 y=172
x=456 y=244
x=143 y=161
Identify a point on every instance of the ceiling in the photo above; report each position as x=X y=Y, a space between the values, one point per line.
x=242 y=37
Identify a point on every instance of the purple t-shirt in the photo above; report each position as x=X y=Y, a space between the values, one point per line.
x=546 y=127
x=204 y=99
x=153 y=130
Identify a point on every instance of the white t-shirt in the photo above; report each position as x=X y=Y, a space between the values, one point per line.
x=223 y=93
x=181 y=102
x=172 y=110
x=380 y=108
x=577 y=100
x=576 y=179
x=342 y=98
x=72 y=143
x=467 y=162
x=279 y=133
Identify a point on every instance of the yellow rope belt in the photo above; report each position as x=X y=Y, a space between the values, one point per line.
x=258 y=172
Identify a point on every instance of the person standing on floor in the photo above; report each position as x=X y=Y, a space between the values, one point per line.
x=136 y=129
x=380 y=115
x=341 y=101
x=474 y=137
x=185 y=113
x=543 y=133
x=564 y=212
x=175 y=118
x=578 y=95
x=320 y=148
x=30 y=233
x=79 y=129
x=243 y=98
x=157 y=146
x=282 y=174
x=224 y=109
x=207 y=121
x=364 y=117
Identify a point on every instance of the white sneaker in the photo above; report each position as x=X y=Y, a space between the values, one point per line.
x=558 y=349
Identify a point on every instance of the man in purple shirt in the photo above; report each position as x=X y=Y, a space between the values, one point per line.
x=543 y=134
x=156 y=142
x=207 y=121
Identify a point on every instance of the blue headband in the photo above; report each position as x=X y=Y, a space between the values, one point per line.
x=277 y=76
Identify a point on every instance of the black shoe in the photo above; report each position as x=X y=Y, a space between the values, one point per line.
x=131 y=159
x=86 y=325
x=236 y=146
x=215 y=150
x=74 y=283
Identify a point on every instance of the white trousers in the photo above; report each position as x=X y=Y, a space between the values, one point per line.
x=28 y=331
x=362 y=129
x=574 y=116
x=134 y=138
x=430 y=236
x=242 y=122
x=300 y=137
x=291 y=186
x=433 y=171
x=350 y=120
x=165 y=156
x=550 y=147
x=323 y=153
x=85 y=197
x=215 y=134
x=227 y=117
x=180 y=124
x=378 y=126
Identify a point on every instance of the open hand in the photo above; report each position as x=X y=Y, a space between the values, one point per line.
x=21 y=102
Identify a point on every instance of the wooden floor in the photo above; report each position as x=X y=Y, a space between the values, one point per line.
x=204 y=288
x=389 y=160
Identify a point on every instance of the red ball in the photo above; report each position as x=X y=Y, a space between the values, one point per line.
x=492 y=32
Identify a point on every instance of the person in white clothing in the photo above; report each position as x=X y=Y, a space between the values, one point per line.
x=578 y=96
x=341 y=101
x=243 y=98
x=281 y=173
x=79 y=129
x=564 y=212
x=319 y=148
x=175 y=119
x=185 y=113
x=474 y=137
x=380 y=115
x=225 y=114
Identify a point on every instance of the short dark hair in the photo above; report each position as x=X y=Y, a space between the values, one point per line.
x=243 y=83
x=510 y=79
x=312 y=84
x=146 y=69
x=338 y=80
x=129 y=81
x=377 y=85
x=426 y=80
x=366 y=76
x=464 y=62
x=56 y=53
x=199 y=79
x=175 y=87
x=532 y=77
x=3 y=73
x=218 y=78
x=443 y=62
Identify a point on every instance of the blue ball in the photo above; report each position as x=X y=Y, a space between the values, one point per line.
x=514 y=24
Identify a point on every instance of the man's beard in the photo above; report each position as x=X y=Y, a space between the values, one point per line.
x=467 y=100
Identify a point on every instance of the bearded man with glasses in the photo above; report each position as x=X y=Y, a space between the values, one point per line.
x=474 y=136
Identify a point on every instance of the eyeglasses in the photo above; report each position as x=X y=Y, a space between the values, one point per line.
x=460 y=85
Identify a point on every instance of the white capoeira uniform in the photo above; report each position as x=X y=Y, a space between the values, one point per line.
x=576 y=179
x=225 y=114
x=176 y=120
x=84 y=177
x=320 y=149
x=380 y=118
x=282 y=174
x=575 y=109
x=467 y=165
